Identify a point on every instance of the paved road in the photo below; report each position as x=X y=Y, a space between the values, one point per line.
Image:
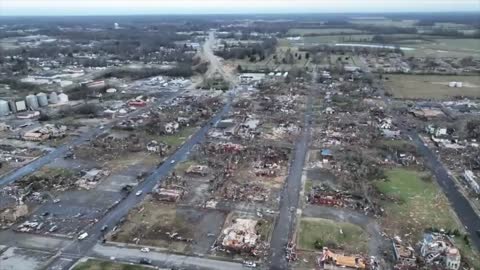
x=62 y=150
x=215 y=61
x=284 y=226
x=163 y=259
x=461 y=206
x=111 y=219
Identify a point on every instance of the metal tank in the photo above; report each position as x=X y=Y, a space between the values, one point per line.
x=62 y=98
x=42 y=99
x=32 y=102
x=53 y=98
x=4 y=109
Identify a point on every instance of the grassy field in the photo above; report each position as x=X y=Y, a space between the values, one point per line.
x=431 y=86
x=322 y=31
x=353 y=239
x=330 y=39
x=179 y=138
x=384 y=22
x=148 y=220
x=105 y=265
x=417 y=204
x=444 y=47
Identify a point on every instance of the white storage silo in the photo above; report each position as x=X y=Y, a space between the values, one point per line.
x=32 y=102
x=62 y=98
x=42 y=99
x=4 y=109
x=53 y=98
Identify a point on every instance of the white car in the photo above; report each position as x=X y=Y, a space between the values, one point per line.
x=173 y=161
x=83 y=236
x=250 y=264
x=139 y=193
x=145 y=250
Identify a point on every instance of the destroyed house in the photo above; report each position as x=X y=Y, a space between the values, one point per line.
x=199 y=170
x=404 y=256
x=240 y=235
x=438 y=249
x=168 y=195
x=326 y=154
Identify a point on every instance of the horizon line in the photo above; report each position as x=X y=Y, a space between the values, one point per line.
x=241 y=13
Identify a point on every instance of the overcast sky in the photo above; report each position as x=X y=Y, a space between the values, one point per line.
x=125 y=7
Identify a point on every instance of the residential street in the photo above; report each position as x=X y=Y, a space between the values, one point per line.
x=285 y=223
x=162 y=259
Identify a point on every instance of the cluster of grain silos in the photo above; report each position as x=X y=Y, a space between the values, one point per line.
x=31 y=102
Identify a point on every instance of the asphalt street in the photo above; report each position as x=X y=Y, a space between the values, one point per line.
x=284 y=226
x=80 y=248
x=161 y=259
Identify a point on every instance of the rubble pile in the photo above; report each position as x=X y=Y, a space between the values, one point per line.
x=324 y=195
x=45 y=132
x=244 y=192
x=109 y=147
x=49 y=179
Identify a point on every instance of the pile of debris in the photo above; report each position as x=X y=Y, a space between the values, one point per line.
x=439 y=249
x=324 y=195
x=266 y=169
x=158 y=147
x=45 y=132
x=244 y=192
x=241 y=236
x=291 y=252
x=197 y=170
x=329 y=257
x=91 y=178
x=49 y=179
x=109 y=147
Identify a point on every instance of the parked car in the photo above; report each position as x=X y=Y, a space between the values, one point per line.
x=139 y=193
x=249 y=264
x=146 y=250
x=83 y=236
x=145 y=261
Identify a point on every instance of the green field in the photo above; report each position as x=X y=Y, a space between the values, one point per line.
x=105 y=265
x=322 y=31
x=431 y=86
x=330 y=39
x=443 y=47
x=384 y=22
x=179 y=138
x=345 y=236
x=417 y=204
